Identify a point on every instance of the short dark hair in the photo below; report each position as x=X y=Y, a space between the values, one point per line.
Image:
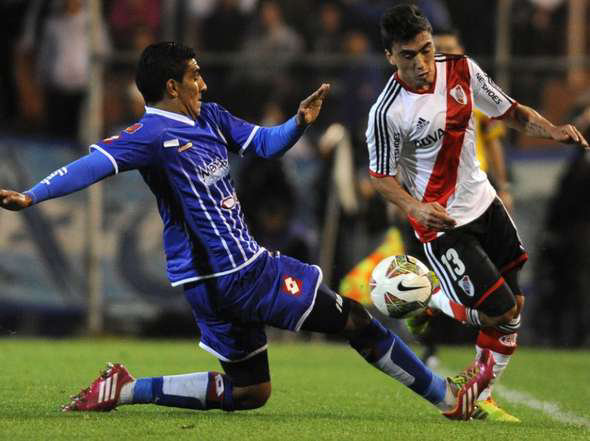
x=402 y=23
x=453 y=32
x=157 y=64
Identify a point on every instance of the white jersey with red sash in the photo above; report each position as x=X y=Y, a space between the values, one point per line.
x=429 y=138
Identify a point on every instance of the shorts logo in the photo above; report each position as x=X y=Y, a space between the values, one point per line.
x=339 y=303
x=508 y=340
x=219 y=385
x=466 y=285
x=292 y=286
x=459 y=95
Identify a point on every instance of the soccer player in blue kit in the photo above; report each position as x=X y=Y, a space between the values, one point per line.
x=234 y=286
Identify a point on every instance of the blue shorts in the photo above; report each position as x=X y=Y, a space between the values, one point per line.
x=231 y=311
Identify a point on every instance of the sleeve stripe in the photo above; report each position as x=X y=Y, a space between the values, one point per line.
x=382 y=138
x=108 y=155
x=378 y=128
x=249 y=140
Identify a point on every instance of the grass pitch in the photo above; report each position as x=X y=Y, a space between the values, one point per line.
x=320 y=392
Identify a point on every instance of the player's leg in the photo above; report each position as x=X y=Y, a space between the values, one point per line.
x=383 y=349
x=116 y=386
x=251 y=381
x=245 y=385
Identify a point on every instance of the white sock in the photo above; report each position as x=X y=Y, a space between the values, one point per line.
x=449 y=402
x=502 y=361
x=126 y=396
x=455 y=310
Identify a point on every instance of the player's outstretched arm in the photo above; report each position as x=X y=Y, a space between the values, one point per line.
x=13 y=200
x=272 y=142
x=310 y=107
x=530 y=122
x=73 y=177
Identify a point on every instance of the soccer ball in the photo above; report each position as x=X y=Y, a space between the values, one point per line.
x=401 y=286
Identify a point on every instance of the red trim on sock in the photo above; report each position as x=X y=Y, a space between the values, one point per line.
x=519 y=261
x=490 y=338
x=490 y=290
x=459 y=311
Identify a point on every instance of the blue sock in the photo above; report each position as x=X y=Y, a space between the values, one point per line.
x=388 y=353
x=201 y=391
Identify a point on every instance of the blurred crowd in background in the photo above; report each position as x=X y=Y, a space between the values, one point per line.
x=259 y=59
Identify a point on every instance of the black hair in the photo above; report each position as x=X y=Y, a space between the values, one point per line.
x=454 y=32
x=157 y=64
x=402 y=23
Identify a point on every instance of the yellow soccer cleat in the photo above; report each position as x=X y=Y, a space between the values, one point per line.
x=489 y=410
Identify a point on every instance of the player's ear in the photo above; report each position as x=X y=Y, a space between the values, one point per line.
x=389 y=56
x=171 y=88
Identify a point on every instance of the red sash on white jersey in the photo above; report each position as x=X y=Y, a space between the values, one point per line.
x=443 y=179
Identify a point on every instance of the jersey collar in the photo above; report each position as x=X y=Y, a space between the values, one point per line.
x=170 y=115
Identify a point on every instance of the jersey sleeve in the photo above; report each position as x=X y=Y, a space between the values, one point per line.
x=488 y=96
x=384 y=143
x=133 y=148
x=237 y=133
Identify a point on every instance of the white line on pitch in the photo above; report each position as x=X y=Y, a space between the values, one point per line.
x=549 y=408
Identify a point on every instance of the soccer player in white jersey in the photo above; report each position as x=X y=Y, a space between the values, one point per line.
x=234 y=287
x=421 y=133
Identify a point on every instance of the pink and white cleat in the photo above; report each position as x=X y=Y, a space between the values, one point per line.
x=470 y=383
x=104 y=392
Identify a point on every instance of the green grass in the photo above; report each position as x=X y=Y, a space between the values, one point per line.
x=320 y=392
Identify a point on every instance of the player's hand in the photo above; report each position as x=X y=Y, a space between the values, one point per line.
x=432 y=215
x=569 y=134
x=310 y=107
x=13 y=200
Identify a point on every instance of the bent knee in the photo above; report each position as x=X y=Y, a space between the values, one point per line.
x=506 y=317
x=252 y=397
x=358 y=318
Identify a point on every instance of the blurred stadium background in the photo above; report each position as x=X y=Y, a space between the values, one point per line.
x=92 y=263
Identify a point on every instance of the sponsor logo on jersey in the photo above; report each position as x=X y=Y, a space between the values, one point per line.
x=421 y=124
x=486 y=82
x=508 y=340
x=292 y=286
x=466 y=285
x=458 y=94
x=134 y=128
x=429 y=139
x=229 y=202
x=212 y=172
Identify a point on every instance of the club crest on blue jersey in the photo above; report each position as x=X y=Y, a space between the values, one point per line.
x=229 y=202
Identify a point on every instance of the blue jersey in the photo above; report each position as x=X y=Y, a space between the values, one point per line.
x=185 y=164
